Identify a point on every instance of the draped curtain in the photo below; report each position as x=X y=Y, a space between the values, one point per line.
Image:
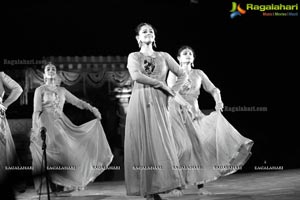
x=34 y=78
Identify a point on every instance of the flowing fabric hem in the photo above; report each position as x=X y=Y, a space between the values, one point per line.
x=250 y=143
x=8 y=144
x=87 y=182
x=92 y=175
x=160 y=191
x=101 y=171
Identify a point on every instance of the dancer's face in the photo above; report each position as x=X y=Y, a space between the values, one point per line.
x=50 y=71
x=146 y=34
x=186 y=56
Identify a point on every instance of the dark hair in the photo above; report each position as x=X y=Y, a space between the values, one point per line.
x=138 y=28
x=185 y=47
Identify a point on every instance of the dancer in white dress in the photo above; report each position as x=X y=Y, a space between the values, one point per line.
x=76 y=155
x=150 y=151
x=207 y=143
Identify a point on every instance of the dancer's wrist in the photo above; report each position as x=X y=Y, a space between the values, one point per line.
x=3 y=107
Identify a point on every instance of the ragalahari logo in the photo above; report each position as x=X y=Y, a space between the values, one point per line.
x=236 y=10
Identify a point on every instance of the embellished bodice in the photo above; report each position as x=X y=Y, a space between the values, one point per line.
x=53 y=99
x=193 y=84
x=154 y=66
x=190 y=91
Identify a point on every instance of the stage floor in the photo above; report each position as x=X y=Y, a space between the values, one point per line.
x=262 y=185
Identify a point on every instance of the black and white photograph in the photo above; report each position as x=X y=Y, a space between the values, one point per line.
x=149 y=100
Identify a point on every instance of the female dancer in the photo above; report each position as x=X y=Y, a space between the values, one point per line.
x=208 y=146
x=8 y=154
x=76 y=155
x=150 y=154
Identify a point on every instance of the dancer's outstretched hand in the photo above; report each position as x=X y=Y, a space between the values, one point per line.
x=97 y=113
x=219 y=106
x=2 y=108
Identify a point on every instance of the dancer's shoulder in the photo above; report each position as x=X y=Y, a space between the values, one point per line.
x=133 y=54
x=199 y=72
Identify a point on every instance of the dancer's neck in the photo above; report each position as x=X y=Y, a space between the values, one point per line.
x=187 y=67
x=50 y=82
x=147 y=50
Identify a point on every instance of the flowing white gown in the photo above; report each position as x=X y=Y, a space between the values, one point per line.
x=150 y=152
x=76 y=155
x=209 y=146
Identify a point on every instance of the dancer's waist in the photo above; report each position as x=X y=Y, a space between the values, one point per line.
x=190 y=97
x=52 y=110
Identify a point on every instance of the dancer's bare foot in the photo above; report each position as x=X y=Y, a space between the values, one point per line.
x=80 y=188
x=203 y=191
x=68 y=189
x=173 y=193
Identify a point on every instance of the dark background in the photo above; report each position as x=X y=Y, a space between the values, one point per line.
x=250 y=58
